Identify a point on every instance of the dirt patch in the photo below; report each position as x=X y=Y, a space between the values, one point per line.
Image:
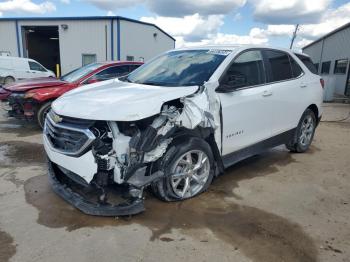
x=260 y=235
x=11 y=177
x=19 y=153
x=7 y=247
x=21 y=128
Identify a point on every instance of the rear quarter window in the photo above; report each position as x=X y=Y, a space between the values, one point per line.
x=308 y=63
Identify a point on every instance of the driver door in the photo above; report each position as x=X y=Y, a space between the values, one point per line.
x=245 y=100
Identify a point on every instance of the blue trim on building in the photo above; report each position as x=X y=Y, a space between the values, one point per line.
x=84 y=18
x=17 y=38
x=112 y=40
x=118 y=39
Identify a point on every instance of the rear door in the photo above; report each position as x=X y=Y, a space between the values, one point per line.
x=285 y=77
x=246 y=106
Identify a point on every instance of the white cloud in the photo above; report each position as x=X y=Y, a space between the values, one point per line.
x=180 y=8
x=174 y=8
x=26 y=6
x=191 y=28
x=110 y=13
x=200 y=30
x=331 y=20
x=65 y=1
x=108 y=5
x=280 y=30
x=289 y=12
x=302 y=42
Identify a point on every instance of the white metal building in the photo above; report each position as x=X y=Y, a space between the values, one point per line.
x=331 y=55
x=75 y=41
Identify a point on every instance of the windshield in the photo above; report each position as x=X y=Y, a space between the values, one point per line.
x=80 y=72
x=179 y=68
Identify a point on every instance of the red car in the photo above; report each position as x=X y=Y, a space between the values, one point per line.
x=31 y=99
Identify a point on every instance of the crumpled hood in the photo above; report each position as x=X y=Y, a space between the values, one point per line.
x=114 y=100
x=29 y=84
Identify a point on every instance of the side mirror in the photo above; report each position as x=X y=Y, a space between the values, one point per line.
x=231 y=83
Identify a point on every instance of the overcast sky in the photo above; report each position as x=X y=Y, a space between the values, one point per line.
x=193 y=22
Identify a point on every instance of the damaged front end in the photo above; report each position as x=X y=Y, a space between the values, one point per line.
x=103 y=167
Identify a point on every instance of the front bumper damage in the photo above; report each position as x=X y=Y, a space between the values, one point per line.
x=103 y=167
x=20 y=107
x=69 y=191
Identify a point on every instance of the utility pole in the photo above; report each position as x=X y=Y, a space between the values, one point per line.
x=294 y=36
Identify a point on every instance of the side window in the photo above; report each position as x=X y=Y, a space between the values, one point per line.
x=279 y=65
x=340 y=66
x=325 y=67
x=296 y=69
x=36 y=67
x=246 y=70
x=316 y=66
x=308 y=63
x=112 y=72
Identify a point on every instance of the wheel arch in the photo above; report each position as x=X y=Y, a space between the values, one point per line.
x=207 y=134
x=314 y=109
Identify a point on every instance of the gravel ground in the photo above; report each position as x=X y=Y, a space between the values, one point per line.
x=273 y=207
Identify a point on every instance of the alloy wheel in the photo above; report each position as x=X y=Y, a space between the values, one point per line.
x=190 y=173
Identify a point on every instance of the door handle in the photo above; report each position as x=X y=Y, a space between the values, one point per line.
x=267 y=93
x=302 y=85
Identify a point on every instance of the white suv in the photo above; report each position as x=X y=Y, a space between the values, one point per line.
x=176 y=123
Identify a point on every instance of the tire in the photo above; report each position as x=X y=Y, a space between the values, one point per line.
x=41 y=115
x=177 y=162
x=304 y=133
x=9 y=80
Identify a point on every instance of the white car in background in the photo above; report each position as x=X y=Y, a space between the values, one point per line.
x=177 y=122
x=18 y=68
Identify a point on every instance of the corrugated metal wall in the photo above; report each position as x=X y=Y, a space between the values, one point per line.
x=142 y=41
x=8 y=39
x=336 y=46
x=89 y=37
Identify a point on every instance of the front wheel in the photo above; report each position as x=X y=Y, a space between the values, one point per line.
x=188 y=169
x=304 y=133
x=42 y=112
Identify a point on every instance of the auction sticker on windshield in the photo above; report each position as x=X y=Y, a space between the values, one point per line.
x=219 y=52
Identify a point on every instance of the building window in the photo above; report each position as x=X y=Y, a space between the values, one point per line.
x=325 y=67
x=129 y=58
x=340 y=66
x=316 y=66
x=89 y=59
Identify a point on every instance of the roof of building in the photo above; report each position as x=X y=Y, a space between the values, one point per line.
x=328 y=35
x=83 y=18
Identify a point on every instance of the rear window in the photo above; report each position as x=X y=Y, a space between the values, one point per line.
x=308 y=63
x=279 y=64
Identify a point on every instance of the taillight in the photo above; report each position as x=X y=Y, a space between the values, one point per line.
x=322 y=83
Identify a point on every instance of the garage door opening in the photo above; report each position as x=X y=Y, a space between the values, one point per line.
x=41 y=43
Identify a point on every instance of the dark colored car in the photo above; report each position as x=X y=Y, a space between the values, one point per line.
x=31 y=99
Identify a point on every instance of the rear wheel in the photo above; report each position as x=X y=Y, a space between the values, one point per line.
x=188 y=169
x=9 y=80
x=304 y=133
x=42 y=112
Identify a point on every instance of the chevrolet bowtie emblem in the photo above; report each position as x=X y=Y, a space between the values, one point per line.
x=56 y=118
